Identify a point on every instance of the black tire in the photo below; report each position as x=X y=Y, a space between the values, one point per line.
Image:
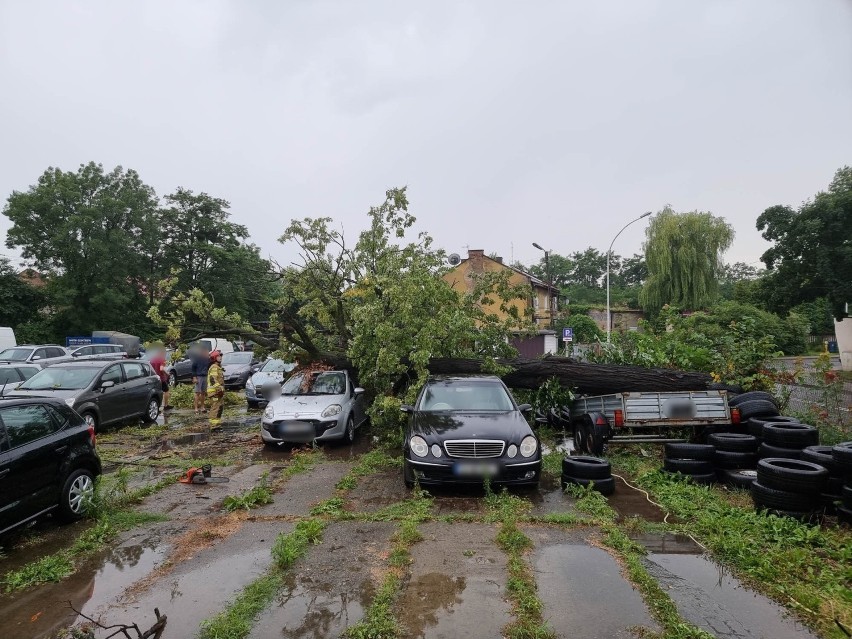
x=734 y=459
x=792 y=475
x=789 y=435
x=152 y=411
x=844 y=515
x=732 y=389
x=846 y=496
x=91 y=419
x=755 y=425
x=349 y=435
x=407 y=475
x=586 y=467
x=688 y=466
x=842 y=455
x=703 y=452
x=768 y=450
x=737 y=477
x=733 y=442
x=834 y=486
x=830 y=503
x=772 y=499
x=821 y=455
x=581 y=434
x=757 y=408
x=604 y=486
x=752 y=396
x=73 y=498
x=173 y=380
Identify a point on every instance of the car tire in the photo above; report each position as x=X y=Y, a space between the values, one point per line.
x=173 y=380
x=757 y=408
x=846 y=496
x=407 y=475
x=789 y=435
x=844 y=515
x=733 y=442
x=734 y=459
x=605 y=486
x=152 y=411
x=792 y=475
x=785 y=500
x=73 y=498
x=688 y=466
x=580 y=432
x=349 y=435
x=842 y=455
x=768 y=450
x=91 y=419
x=586 y=467
x=753 y=396
x=679 y=450
x=821 y=455
x=755 y=424
x=737 y=477
x=733 y=389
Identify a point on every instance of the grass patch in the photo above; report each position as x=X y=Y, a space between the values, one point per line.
x=252 y=498
x=369 y=463
x=288 y=548
x=302 y=460
x=551 y=463
x=503 y=505
x=331 y=507
x=592 y=503
x=236 y=621
x=53 y=567
x=418 y=508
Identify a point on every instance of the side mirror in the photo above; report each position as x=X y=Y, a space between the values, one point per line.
x=405 y=408
x=525 y=408
x=255 y=368
x=107 y=384
x=36 y=357
x=72 y=355
x=358 y=391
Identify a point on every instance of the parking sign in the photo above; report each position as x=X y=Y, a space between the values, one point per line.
x=567 y=334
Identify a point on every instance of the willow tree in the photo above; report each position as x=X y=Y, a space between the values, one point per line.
x=683 y=253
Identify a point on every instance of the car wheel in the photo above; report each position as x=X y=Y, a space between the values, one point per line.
x=407 y=475
x=91 y=420
x=152 y=412
x=172 y=379
x=76 y=493
x=350 y=430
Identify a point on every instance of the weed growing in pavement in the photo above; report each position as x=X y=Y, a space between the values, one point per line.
x=504 y=505
x=53 y=567
x=302 y=460
x=551 y=463
x=418 y=508
x=591 y=502
x=368 y=463
x=251 y=498
x=331 y=507
x=289 y=547
x=236 y=621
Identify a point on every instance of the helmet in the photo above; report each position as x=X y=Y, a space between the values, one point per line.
x=214 y=355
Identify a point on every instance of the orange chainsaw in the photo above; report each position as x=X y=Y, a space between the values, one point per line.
x=201 y=475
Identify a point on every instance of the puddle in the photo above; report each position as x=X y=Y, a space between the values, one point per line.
x=713 y=600
x=549 y=497
x=430 y=597
x=581 y=588
x=566 y=447
x=39 y=613
x=629 y=502
x=668 y=543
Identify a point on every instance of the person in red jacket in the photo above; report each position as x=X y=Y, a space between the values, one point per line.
x=158 y=363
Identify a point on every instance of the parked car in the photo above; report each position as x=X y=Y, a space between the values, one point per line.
x=238 y=367
x=314 y=406
x=13 y=374
x=465 y=429
x=180 y=368
x=99 y=351
x=42 y=353
x=103 y=393
x=7 y=337
x=265 y=383
x=48 y=461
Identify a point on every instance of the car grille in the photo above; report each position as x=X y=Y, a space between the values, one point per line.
x=474 y=448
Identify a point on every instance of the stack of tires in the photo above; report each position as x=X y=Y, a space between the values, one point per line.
x=841 y=456
x=754 y=404
x=823 y=455
x=790 y=487
x=694 y=460
x=735 y=458
x=786 y=439
x=582 y=471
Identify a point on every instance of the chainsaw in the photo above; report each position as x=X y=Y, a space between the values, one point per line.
x=201 y=475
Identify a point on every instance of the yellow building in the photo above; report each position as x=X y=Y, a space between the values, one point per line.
x=541 y=301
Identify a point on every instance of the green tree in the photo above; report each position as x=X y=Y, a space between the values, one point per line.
x=811 y=255
x=684 y=256
x=92 y=232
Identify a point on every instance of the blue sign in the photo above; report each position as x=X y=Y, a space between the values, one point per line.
x=567 y=334
x=75 y=342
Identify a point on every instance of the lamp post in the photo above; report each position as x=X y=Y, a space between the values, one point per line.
x=549 y=281
x=608 y=253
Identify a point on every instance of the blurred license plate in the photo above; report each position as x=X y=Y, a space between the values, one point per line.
x=297 y=428
x=476 y=469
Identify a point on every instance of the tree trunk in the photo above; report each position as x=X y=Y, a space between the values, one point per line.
x=589 y=379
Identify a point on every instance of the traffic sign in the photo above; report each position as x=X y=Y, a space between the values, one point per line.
x=567 y=334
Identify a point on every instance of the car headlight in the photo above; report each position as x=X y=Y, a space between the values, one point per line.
x=269 y=413
x=332 y=410
x=70 y=401
x=250 y=385
x=512 y=451
x=528 y=446
x=436 y=450
x=418 y=446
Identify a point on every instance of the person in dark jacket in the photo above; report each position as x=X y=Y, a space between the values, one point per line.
x=200 y=367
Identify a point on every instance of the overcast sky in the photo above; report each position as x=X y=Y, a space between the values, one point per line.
x=510 y=122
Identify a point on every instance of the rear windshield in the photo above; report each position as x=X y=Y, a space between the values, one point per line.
x=15 y=354
x=61 y=379
x=471 y=396
x=236 y=358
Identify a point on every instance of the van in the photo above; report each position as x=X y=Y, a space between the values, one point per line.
x=216 y=344
x=7 y=338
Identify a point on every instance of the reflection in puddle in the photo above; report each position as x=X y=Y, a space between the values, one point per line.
x=427 y=597
x=629 y=502
x=668 y=543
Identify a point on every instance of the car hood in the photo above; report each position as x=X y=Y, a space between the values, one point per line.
x=259 y=379
x=438 y=426
x=236 y=369
x=289 y=405
x=47 y=392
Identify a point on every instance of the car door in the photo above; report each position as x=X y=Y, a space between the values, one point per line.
x=112 y=402
x=29 y=468
x=39 y=354
x=138 y=387
x=85 y=352
x=357 y=402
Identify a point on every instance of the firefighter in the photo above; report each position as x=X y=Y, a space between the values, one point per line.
x=216 y=388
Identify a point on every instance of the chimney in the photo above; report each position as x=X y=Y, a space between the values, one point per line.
x=498 y=259
x=473 y=253
x=475 y=258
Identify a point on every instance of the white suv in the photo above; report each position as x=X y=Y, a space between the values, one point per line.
x=41 y=353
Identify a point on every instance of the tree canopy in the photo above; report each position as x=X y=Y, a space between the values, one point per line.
x=811 y=256
x=684 y=252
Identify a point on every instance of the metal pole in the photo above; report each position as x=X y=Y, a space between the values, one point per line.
x=608 y=253
x=550 y=286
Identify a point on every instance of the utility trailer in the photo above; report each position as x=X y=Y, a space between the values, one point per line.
x=647 y=417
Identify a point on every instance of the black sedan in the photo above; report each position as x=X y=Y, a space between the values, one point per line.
x=466 y=430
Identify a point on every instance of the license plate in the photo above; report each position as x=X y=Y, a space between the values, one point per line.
x=296 y=428
x=476 y=469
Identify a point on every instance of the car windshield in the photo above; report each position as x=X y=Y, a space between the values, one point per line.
x=61 y=379
x=277 y=366
x=236 y=358
x=465 y=396
x=15 y=354
x=317 y=383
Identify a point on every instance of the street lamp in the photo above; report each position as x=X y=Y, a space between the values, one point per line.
x=549 y=280
x=608 y=253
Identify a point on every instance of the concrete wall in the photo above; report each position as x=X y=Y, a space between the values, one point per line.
x=843 y=331
x=621 y=320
